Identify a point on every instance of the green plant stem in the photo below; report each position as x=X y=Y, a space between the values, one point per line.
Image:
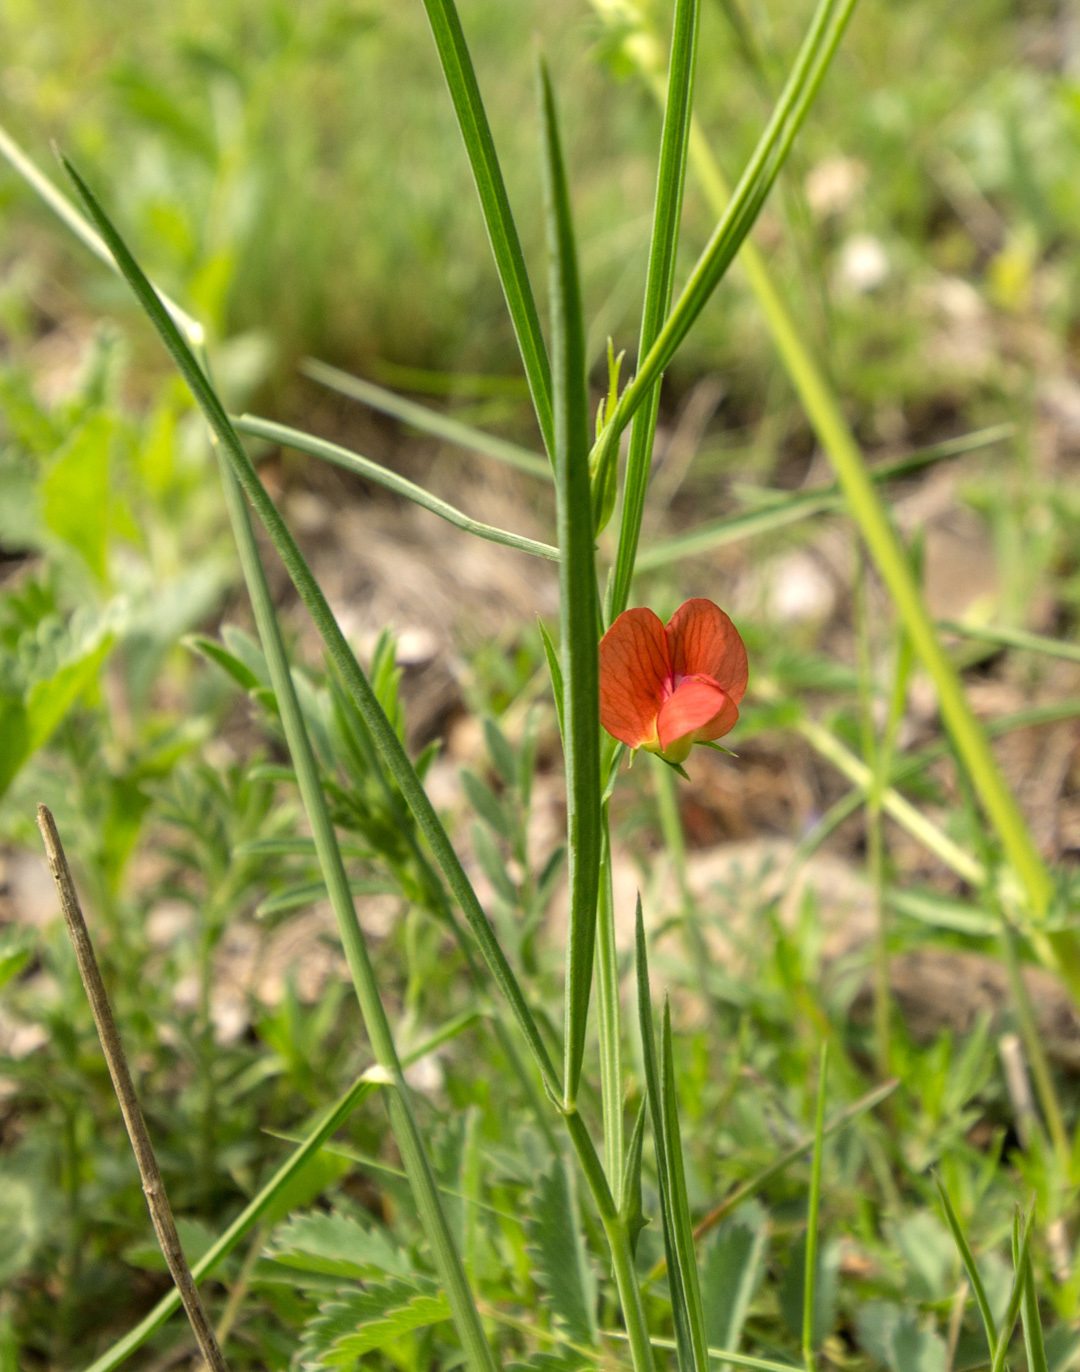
x=391 y=481
x=610 y=1029
x=403 y=1120
x=810 y=1267
x=1036 y=1054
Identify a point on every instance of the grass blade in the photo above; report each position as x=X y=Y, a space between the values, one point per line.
x=577 y=591
x=659 y=284
x=683 y=1336
x=779 y=510
x=425 y=419
x=382 y=476
x=502 y=232
x=750 y=1188
x=826 y=29
x=609 y=1019
x=982 y=1300
x=341 y=655
x=1016 y=1295
x=680 y=1206
x=813 y=1210
x=1029 y=1314
x=1004 y=637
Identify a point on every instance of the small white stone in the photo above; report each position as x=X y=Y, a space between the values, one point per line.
x=864 y=264
x=834 y=185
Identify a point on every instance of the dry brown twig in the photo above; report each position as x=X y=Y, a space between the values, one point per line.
x=153 y=1186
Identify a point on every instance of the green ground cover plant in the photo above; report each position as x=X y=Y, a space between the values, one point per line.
x=687 y=1146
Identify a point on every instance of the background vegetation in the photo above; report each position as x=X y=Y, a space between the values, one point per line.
x=294 y=176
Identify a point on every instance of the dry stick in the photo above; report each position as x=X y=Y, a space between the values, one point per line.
x=153 y=1186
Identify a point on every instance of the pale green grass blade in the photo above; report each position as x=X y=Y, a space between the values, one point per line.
x=502 y=232
x=974 y=1277
x=609 y=1019
x=577 y=591
x=749 y=1188
x=386 y=739
x=375 y=471
x=1005 y=637
x=64 y=210
x=812 y=1218
x=778 y=509
x=425 y=419
x=683 y=1245
x=659 y=285
x=1016 y=1295
x=684 y=1340
x=1029 y=1314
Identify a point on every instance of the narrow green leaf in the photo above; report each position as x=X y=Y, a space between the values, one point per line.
x=826 y=29
x=659 y=284
x=633 y=1214
x=486 y=804
x=374 y=471
x=308 y=892
x=1029 y=1313
x=427 y=420
x=810 y=1270
x=229 y=663
x=734 y=1265
x=501 y=753
x=680 y=1205
x=577 y=591
x=609 y=1015
x=556 y=1247
x=683 y=1336
x=1016 y=1295
x=1005 y=637
x=555 y=669
x=970 y=1265
x=502 y=232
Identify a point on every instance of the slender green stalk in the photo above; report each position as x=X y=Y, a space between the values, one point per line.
x=403 y=1121
x=1016 y=1295
x=375 y=471
x=502 y=231
x=578 y=611
x=810 y=1268
x=659 y=285
x=1033 y=1047
x=1004 y=637
x=425 y=419
x=971 y=1267
x=610 y=1029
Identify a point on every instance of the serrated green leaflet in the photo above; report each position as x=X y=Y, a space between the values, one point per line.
x=577 y=590
x=374 y=471
x=561 y=1263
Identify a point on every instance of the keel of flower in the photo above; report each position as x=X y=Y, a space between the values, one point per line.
x=666 y=687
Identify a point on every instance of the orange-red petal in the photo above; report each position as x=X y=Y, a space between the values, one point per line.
x=695 y=704
x=633 y=668
x=702 y=641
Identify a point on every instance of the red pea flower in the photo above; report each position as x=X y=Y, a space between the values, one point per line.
x=665 y=688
